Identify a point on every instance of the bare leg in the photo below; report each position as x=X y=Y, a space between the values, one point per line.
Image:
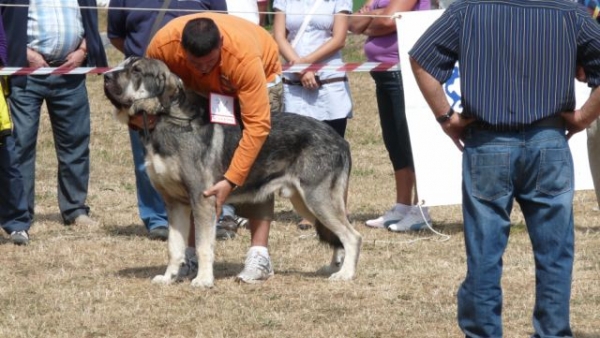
x=405 y=183
x=259 y=232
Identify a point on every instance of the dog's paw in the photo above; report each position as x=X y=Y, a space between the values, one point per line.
x=205 y=283
x=162 y=279
x=327 y=270
x=341 y=276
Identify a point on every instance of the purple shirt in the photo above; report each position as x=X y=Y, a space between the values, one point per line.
x=385 y=48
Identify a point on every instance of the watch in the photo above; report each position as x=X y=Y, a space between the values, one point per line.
x=443 y=118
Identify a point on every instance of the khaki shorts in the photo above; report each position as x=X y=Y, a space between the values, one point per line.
x=264 y=211
x=276 y=97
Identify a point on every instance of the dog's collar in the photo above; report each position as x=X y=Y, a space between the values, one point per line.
x=145 y=131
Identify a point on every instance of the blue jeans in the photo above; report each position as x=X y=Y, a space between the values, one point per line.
x=534 y=167
x=14 y=215
x=150 y=205
x=67 y=102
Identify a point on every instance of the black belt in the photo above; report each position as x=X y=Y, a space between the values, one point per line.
x=555 y=121
x=319 y=81
x=56 y=63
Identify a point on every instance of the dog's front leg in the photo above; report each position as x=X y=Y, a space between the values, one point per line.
x=179 y=228
x=204 y=222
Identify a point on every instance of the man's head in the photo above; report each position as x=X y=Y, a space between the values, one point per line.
x=201 y=40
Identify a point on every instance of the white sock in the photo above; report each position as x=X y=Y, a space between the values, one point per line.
x=260 y=249
x=402 y=208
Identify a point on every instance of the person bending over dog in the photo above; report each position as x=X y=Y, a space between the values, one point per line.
x=222 y=57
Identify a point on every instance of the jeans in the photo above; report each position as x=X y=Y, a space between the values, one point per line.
x=534 y=167
x=14 y=215
x=392 y=116
x=68 y=106
x=150 y=205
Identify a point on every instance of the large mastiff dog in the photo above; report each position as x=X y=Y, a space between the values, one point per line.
x=302 y=159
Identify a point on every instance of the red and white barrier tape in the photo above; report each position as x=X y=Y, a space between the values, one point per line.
x=346 y=67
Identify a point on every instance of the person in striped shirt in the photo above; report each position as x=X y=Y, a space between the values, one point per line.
x=518 y=63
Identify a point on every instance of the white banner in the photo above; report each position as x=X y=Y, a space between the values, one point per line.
x=438 y=163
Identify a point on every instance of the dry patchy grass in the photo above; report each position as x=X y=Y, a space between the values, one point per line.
x=95 y=282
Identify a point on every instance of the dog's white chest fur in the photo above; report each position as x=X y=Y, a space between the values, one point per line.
x=164 y=174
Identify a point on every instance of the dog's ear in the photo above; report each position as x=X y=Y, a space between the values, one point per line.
x=173 y=88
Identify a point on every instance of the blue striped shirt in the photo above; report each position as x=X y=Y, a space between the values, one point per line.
x=517 y=57
x=54 y=28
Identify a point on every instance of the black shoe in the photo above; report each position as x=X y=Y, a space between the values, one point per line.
x=159 y=233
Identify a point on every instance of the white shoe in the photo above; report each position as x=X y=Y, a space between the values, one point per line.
x=257 y=268
x=390 y=217
x=20 y=237
x=413 y=221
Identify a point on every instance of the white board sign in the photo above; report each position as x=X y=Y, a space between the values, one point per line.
x=438 y=163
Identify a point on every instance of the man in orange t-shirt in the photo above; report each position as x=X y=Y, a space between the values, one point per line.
x=220 y=54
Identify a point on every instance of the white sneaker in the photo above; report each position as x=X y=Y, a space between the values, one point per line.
x=257 y=268
x=19 y=237
x=413 y=221
x=390 y=217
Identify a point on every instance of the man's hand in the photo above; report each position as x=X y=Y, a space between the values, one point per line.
x=35 y=59
x=221 y=191
x=580 y=74
x=575 y=122
x=75 y=59
x=455 y=128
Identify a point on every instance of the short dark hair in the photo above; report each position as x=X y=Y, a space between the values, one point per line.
x=200 y=36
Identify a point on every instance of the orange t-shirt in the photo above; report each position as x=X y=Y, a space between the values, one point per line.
x=249 y=59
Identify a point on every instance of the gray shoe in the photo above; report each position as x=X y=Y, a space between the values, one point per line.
x=224 y=234
x=19 y=237
x=189 y=267
x=85 y=221
x=226 y=228
x=257 y=268
x=159 y=233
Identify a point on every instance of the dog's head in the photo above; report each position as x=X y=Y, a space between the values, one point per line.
x=141 y=79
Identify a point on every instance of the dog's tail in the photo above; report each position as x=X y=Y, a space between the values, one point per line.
x=327 y=236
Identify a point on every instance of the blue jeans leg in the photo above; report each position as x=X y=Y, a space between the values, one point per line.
x=14 y=215
x=68 y=107
x=536 y=169
x=227 y=210
x=150 y=205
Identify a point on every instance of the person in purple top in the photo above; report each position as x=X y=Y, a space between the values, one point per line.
x=14 y=215
x=382 y=46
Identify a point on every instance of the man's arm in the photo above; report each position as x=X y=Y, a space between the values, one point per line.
x=583 y=117
x=433 y=92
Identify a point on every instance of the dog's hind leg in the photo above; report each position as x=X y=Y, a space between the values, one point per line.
x=332 y=226
x=205 y=221
x=179 y=226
